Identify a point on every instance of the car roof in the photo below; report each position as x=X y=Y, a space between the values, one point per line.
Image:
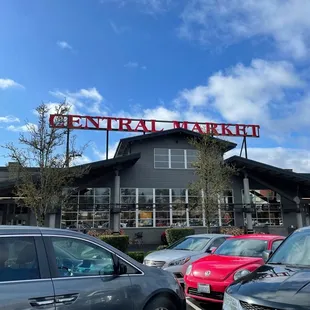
x=258 y=236
x=211 y=236
x=15 y=229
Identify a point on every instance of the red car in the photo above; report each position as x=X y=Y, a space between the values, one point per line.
x=207 y=278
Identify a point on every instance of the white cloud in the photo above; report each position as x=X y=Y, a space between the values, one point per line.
x=147 y=6
x=285 y=22
x=23 y=128
x=8 y=83
x=101 y=154
x=64 y=45
x=89 y=100
x=134 y=65
x=243 y=93
x=287 y=158
x=9 y=119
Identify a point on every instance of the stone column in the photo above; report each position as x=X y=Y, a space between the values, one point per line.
x=247 y=203
x=117 y=215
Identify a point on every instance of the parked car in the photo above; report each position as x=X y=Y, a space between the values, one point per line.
x=282 y=283
x=207 y=278
x=183 y=252
x=61 y=269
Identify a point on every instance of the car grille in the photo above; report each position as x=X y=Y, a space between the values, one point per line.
x=213 y=295
x=247 y=306
x=153 y=263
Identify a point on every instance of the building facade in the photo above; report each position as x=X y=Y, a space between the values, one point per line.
x=145 y=187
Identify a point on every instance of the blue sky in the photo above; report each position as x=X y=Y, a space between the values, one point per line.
x=241 y=61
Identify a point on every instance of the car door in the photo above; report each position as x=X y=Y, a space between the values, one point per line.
x=25 y=281
x=83 y=275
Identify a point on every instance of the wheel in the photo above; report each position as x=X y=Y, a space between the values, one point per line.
x=161 y=303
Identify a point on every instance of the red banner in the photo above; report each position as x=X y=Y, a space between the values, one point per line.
x=141 y=125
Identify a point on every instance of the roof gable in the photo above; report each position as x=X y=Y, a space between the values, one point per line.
x=123 y=143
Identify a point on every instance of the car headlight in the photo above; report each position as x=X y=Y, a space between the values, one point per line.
x=231 y=303
x=241 y=273
x=181 y=261
x=189 y=270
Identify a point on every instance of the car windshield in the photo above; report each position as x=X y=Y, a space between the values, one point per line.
x=294 y=251
x=242 y=247
x=190 y=244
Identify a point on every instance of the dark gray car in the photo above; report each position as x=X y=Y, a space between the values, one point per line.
x=55 y=269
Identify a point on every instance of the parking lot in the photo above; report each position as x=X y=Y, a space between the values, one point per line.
x=193 y=305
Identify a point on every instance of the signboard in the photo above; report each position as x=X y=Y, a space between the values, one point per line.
x=147 y=126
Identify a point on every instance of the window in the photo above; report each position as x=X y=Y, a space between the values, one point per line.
x=195 y=208
x=267 y=207
x=294 y=251
x=162 y=207
x=190 y=244
x=178 y=199
x=216 y=243
x=276 y=244
x=174 y=158
x=18 y=259
x=88 y=208
x=128 y=207
x=78 y=258
x=242 y=247
x=146 y=200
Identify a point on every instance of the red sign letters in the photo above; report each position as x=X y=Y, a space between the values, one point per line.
x=147 y=126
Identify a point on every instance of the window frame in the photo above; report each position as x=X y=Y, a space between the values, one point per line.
x=273 y=242
x=52 y=258
x=41 y=259
x=169 y=158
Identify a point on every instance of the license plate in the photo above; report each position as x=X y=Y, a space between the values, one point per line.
x=203 y=288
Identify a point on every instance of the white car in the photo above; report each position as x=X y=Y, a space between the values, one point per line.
x=183 y=252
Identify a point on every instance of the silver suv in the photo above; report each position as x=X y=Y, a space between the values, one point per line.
x=55 y=269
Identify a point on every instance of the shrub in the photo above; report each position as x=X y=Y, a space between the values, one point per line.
x=118 y=241
x=175 y=234
x=138 y=256
x=94 y=233
x=161 y=247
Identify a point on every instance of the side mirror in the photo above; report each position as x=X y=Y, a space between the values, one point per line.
x=212 y=250
x=266 y=255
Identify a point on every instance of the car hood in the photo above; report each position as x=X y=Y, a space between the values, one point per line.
x=220 y=266
x=276 y=284
x=170 y=255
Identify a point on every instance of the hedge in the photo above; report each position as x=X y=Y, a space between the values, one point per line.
x=118 y=241
x=138 y=256
x=175 y=234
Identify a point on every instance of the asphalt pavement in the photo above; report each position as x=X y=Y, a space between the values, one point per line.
x=193 y=305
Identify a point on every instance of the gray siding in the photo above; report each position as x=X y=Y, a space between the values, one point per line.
x=144 y=175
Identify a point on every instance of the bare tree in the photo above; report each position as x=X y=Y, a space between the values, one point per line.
x=44 y=179
x=214 y=176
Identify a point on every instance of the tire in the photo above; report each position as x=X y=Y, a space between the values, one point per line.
x=161 y=303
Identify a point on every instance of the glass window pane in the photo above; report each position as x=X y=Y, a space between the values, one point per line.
x=145 y=191
x=145 y=216
x=73 y=258
x=192 y=153
x=161 y=192
x=128 y=191
x=128 y=218
x=163 y=164
x=177 y=153
x=128 y=199
x=179 y=215
x=102 y=199
x=101 y=191
x=177 y=165
x=21 y=262
x=161 y=158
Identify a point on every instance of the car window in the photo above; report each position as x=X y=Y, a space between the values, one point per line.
x=243 y=247
x=77 y=258
x=18 y=259
x=295 y=250
x=275 y=245
x=190 y=244
x=217 y=242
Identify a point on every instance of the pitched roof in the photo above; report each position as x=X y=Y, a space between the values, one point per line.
x=123 y=143
x=249 y=164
